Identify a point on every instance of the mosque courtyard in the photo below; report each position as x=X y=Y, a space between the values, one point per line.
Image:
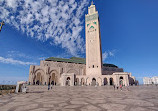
x=82 y=98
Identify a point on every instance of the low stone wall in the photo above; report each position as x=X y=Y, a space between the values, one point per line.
x=7 y=89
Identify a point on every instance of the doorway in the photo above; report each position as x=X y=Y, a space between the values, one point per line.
x=93 y=82
x=68 y=81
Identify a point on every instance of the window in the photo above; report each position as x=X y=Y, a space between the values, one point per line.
x=93 y=66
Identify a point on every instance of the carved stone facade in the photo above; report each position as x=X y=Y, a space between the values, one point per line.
x=91 y=71
x=50 y=71
x=72 y=74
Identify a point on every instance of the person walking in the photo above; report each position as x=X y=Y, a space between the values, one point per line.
x=48 y=85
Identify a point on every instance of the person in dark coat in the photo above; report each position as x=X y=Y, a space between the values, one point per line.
x=48 y=85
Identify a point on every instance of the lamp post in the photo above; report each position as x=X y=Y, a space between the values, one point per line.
x=1 y=23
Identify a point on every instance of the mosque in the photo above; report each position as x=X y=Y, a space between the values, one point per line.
x=80 y=71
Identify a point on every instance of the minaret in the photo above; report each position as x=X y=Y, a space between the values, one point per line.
x=93 y=43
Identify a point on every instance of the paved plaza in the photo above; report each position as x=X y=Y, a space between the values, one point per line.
x=86 y=98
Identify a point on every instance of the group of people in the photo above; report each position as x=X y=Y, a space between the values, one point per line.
x=115 y=87
x=50 y=86
x=121 y=87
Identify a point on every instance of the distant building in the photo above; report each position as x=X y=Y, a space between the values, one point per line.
x=81 y=71
x=149 y=81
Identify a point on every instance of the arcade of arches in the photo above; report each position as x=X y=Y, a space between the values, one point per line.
x=54 y=79
x=72 y=79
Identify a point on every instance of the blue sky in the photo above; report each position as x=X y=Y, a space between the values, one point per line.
x=35 y=30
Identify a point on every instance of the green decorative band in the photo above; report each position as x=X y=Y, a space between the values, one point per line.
x=91 y=17
x=91 y=27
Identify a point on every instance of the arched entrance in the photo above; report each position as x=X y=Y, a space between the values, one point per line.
x=111 y=81
x=93 y=82
x=121 y=80
x=53 y=77
x=38 y=79
x=82 y=81
x=105 y=81
x=68 y=81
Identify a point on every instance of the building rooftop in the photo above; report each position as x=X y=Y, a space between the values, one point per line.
x=71 y=60
x=76 y=60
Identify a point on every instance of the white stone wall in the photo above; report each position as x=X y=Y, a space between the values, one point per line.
x=154 y=80
x=47 y=68
x=147 y=80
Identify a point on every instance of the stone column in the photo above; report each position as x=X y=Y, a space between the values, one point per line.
x=108 y=80
x=72 y=80
x=117 y=80
x=127 y=81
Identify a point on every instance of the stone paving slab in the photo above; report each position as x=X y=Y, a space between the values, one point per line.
x=82 y=98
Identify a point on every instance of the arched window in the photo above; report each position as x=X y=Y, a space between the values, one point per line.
x=105 y=81
x=68 y=78
x=121 y=77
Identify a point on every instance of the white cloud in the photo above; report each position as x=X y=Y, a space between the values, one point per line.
x=111 y=53
x=42 y=58
x=104 y=56
x=56 y=20
x=12 y=61
x=17 y=54
x=12 y=80
x=107 y=54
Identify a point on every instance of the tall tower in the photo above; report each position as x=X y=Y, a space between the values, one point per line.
x=93 y=43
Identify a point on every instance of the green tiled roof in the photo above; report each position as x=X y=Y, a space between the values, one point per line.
x=109 y=65
x=71 y=60
x=75 y=60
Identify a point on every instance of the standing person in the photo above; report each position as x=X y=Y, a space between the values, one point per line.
x=51 y=85
x=114 y=86
x=48 y=85
x=117 y=86
x=121 y=87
